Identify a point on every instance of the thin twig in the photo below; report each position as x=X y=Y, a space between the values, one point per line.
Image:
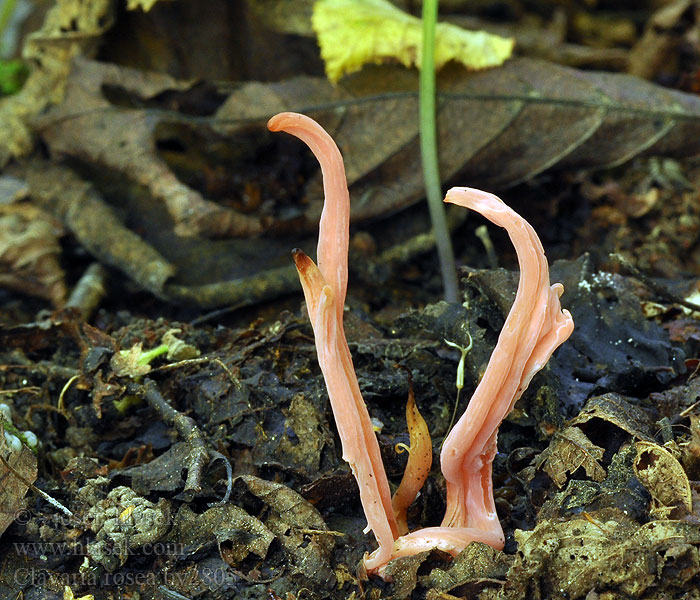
x=52 y=501
x=185 y=426
x=655 y=287
x=89 y=291
x=229 y=477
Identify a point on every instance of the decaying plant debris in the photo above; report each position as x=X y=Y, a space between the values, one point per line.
x=192 y=454
x=580 y=495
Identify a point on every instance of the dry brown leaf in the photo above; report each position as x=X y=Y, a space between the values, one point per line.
x=71 y=28
x=569 y=450
x=606 y=550
x=124 y=140
x=613 y=408
x=230 y=525
x=496 y=128
x=29 y=253
x=664 y=477
x=298 y=526
x=12 y=489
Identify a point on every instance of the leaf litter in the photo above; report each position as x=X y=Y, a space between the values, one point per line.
x=123 y=128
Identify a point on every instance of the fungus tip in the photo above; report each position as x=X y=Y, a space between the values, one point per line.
x=280 y=121
x=301 y=260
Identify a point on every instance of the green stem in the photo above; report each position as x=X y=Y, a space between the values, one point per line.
x=149 y=355
x=6 y=11
x=429 y=153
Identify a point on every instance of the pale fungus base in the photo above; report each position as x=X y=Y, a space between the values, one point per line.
x=534 y=328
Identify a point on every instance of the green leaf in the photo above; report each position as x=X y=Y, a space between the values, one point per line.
x=13 y=74
x=352 y=33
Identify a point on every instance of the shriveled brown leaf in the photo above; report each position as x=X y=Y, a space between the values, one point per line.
x=496 y=128
x=615 y=409
x=12 y=489
x=299 y=527
x=29 y=253
x=231 y=526
x=664 y=477
x=310 y=435
x=71 y=28
x=604 y=550
x=124 y=140
x=569 y=450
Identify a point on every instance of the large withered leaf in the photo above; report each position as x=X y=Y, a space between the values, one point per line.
x=101 y=133
x=496 y=128
x=602 y=550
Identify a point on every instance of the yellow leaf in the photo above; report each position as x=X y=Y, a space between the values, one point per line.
x=144 y=5
x=352 y=33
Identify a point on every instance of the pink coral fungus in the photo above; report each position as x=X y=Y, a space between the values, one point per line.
x=534 y=328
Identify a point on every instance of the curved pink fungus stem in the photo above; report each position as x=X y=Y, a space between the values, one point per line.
x=324 y=290
x=536 y=325
x=534 y=328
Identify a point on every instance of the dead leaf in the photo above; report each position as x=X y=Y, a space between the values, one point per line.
x=310 y=436
x=477 y=565
x=496 y=128
x=70 y=28
x=124 y=140
x=12 y=489
x=613 y=408
x=569 y=450
x=238 y=533
x=29 y=253
x=605 y=550
x=298 y=526
x=664 y=477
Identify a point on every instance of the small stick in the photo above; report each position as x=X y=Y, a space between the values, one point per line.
x=657 y=288
x=482 y=233
x=186 y=427
x=89 y=291
x=52 y=501
x=229 y=477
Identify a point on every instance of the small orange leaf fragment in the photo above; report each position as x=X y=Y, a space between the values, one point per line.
x=420 y=459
